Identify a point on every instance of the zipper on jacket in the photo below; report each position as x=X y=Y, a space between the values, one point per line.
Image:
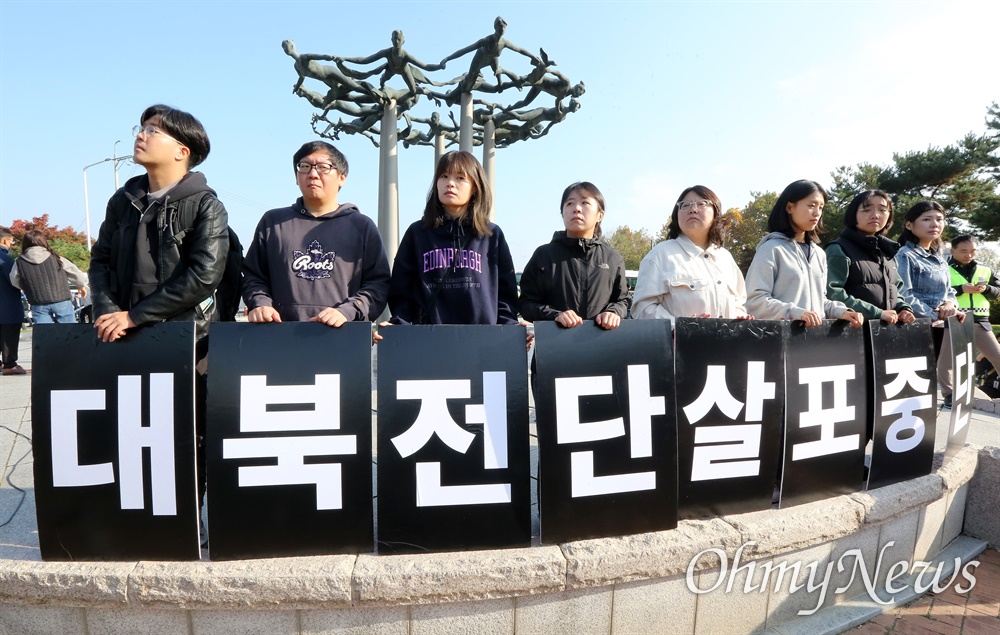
x=809 y=281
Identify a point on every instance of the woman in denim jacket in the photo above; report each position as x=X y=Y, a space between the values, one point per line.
x=923 y=271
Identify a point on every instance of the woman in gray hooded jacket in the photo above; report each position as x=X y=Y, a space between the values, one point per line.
x=787 y=278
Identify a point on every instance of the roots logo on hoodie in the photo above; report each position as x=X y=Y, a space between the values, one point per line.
x=313 y=264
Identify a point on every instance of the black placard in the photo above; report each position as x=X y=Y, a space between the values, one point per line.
x=825 y=412
x=453 y=444
x=730 y=398
x=963 y=358
x=903 y=393
x=289 y=440
x=85 y=393
x=113 y=440
x=606 y=429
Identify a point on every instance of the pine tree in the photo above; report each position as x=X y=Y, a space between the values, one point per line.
x=963 y=177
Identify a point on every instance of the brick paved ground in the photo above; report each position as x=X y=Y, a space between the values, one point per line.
x=976 y=612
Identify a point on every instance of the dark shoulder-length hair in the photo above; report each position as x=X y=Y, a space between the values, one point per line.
x=912 y=215
x=587 y=189
x=35 y=238
x=477 y=212
x=720 y=224
x=851 y=213
x=781 y=221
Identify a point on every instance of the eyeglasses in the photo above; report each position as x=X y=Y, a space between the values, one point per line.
x=149 y=131
x=701 y=205
x=321 y=168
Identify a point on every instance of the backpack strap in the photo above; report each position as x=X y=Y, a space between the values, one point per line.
x=182 y=218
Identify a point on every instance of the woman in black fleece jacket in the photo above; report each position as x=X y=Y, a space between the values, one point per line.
x=576 y=277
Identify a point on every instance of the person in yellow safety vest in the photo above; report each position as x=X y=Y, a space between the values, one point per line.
x=975 y=285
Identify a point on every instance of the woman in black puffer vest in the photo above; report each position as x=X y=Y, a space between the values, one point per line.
x=861 y=265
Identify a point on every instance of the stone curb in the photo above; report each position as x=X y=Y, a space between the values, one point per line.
x=958 y=470
x=301 y=582
x=96 y=584
x=984 y=405
x=457 y=577
x=604 y=561
x=783 y=530
x=892 y=500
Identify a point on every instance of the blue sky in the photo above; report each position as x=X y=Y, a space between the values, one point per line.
x=738 y=96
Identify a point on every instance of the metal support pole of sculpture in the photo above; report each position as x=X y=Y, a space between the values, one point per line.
x=388 y=195
x=439 y=142
x=465 y=124
x=490 y=158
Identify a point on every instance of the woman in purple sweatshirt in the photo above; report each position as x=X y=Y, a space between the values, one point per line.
x=453 y=266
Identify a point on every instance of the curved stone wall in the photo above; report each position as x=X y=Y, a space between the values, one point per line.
x=629 y=584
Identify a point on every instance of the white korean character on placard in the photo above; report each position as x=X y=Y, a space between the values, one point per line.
x=826 y=418
x=155 y=434
x=434 y=419
x=964 y=387
x=906 y=432
x=324 y=398
x=728 y=443
x=569 y=429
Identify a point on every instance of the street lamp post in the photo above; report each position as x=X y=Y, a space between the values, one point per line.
x=86 y=201
x=114 y=157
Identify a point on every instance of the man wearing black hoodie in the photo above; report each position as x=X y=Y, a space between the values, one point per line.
x=162 y=247
x=161 y=250
x=318 y=260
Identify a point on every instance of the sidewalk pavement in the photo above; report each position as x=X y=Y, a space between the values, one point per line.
x=947 y=613
x=975 y=612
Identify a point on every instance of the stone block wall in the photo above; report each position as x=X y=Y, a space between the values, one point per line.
x=983 y=504
x=629 y=584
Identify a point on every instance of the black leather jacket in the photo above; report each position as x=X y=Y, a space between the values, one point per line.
x=191 y=259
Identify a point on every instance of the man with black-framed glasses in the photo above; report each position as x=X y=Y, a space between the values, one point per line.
x=317 y=260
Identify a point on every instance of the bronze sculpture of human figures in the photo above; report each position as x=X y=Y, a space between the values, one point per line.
x=332 y=102
x=341 y=86
x=543 y=78
x=397 y=62
x=368 y=107
x=537 y=116
x=360 y=126
x=488 y=50
x=505 y=137
x=366 y=118
x=507 y=132
x=435 y=127
x=375 y=112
